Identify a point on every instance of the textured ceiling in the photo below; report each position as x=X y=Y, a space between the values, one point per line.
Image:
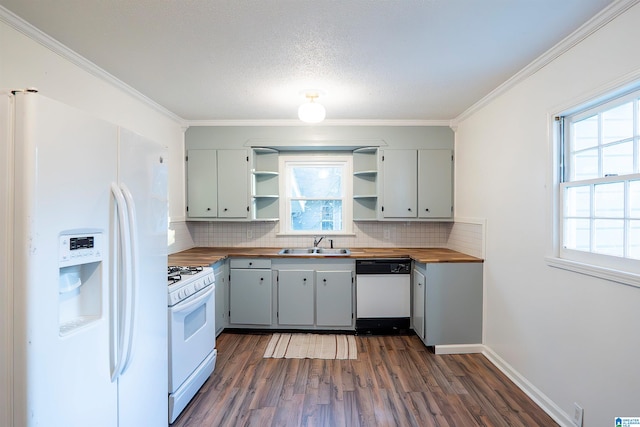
x=250 y=59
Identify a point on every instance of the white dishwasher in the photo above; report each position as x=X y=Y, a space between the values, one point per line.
x=383 y=296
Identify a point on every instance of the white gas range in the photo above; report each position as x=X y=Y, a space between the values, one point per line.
x=192 y=333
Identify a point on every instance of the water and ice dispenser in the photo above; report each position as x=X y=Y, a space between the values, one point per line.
x=80 y=279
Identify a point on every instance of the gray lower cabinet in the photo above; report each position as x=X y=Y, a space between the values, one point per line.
x=295 y=297
x=315 y=294
x=452 y=303
x=334 y=303
x=250 y=292
x=222 y=295
x=417 y=308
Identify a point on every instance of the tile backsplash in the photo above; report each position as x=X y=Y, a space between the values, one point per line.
x=465 y=236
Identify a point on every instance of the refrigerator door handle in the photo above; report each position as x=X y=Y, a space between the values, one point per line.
x=133 y=269
x=121 y=287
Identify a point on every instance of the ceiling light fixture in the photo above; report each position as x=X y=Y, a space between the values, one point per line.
x=312 y=112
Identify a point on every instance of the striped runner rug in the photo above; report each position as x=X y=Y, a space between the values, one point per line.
x=312 y=346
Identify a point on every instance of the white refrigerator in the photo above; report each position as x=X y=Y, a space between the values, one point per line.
x=83 y=217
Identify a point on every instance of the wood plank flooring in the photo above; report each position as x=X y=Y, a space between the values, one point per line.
x=394 y=382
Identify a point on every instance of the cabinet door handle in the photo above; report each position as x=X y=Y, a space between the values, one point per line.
x=225 y=209
x=208 y=209
x=409 y=209
x=427 y=209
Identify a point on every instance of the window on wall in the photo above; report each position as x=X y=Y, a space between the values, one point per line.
x=600 y=185
x=317 y=194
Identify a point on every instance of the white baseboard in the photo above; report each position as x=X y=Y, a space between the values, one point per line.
x=530 y=390
x=459 y=348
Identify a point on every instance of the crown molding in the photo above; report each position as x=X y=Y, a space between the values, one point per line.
x=195 y=123
x=598 y=21
x=24 y=27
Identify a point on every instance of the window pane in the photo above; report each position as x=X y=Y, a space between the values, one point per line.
x=600 y=189
x=634 y=199
x=585 y=133
x=634 y=240
x=316 y=182
x=577 y=234
x=617 y=123
x=578 y=201
x=609 y=200
x=316 y=215
x=585 y=165
x=617 y=159
x=609 y=237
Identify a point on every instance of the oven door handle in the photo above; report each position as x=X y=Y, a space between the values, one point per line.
x=190 y=306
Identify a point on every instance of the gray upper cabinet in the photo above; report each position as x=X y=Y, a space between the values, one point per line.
x=233 y=184
x=202 y=183
x=435 y=187
x=417 y=184
x=217 y=184
x=399 y=184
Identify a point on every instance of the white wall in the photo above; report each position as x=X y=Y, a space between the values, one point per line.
x=573 y=337
x=27 y=63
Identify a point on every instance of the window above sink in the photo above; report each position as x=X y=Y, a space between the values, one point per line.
x=317 y=193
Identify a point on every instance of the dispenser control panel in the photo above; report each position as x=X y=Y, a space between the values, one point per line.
x=75 y=249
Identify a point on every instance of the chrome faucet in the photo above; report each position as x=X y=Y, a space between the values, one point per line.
x=317 y=241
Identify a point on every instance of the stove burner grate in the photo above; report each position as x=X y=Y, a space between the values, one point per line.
x=184 y=270
x=175 y=272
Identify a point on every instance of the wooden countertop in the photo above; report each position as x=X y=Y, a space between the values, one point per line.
x=211 y=255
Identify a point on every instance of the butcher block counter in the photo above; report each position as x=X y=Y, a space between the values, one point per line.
x=211 y=255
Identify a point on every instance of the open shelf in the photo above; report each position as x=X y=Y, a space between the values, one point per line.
x=265 y=184
x=365 y=183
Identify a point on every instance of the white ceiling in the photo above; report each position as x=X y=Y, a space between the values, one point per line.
x=250 y=59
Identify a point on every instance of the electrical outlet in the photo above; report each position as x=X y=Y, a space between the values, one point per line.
x=386 y=234
x=578 y=412
x=249 y=234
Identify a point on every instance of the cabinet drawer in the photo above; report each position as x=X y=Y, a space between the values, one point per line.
x=250 y=263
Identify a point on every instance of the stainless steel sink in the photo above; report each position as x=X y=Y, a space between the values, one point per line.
x=315 y=251
x=297 y=251
x=332 y=251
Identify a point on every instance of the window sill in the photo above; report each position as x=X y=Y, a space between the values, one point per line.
x=617 y=276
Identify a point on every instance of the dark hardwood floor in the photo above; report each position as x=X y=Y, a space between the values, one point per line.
x=394 y=382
